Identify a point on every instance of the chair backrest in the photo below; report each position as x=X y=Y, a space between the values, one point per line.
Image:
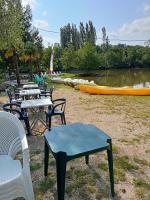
x=49 y=92
x=59 y=103
x=12 y=134
x=9 y=93
x=13 y=108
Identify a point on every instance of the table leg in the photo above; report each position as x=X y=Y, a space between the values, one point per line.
x=46 y=159
x=38 y=117
x=111 y=171
x=26 y=120
x=87 y=159
x=61 y=174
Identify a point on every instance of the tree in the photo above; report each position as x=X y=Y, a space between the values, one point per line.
x=75 y=37
x=27 y=22
x=90 y=33
x=70 y=35
x=69 y=58
x=57 y=57
x=105 y=39
x=65 y=35
x=32 y=52
x=104 y=34
x=82 y=34
x=88 y=58
x=11 y=30
x=45 y=62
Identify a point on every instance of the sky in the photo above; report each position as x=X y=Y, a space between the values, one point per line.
x=123 y=19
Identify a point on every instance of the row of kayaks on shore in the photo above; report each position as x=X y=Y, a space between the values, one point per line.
x=114 y=90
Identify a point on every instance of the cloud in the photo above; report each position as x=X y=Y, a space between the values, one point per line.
x=43 y=24
x=32 y=3
x=47 y=40
x=137 y=29
x=44 y=13
x=146 y=7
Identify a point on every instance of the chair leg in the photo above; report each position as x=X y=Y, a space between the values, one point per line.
x=61 y=174
x=64 y=118
x=29 y=194
x=111 y=171
x=49 y=122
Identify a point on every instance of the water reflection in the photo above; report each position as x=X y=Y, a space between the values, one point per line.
x=122 y=77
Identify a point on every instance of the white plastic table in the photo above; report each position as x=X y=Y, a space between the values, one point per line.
x=30 y=86
x=30 y=92
x=40 y=103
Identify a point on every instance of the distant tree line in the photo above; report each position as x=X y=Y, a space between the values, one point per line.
x=86 y=55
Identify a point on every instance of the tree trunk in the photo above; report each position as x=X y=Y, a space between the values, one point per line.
x=30 y=70
x=16 y=66
x=38 y=68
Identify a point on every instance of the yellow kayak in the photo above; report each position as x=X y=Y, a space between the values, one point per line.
x=114 y=90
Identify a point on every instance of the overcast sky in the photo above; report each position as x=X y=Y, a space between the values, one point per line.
x=123 y=19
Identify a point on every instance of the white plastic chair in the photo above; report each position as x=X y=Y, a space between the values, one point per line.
x=15 y=178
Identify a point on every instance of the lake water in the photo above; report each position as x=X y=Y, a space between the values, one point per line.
x=122 y=77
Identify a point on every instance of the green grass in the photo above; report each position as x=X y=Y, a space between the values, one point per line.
x=35 y=166
x=142 y=188
x=142 y=194
x=80 y=173
x=70 y=188
x=91 y=189
x=141 y=183
x=119 y=175
x=52 y=162
x=144 y=137
x=68 y=75
x=141 y=161
x=123 y=162
x=115 y=149
x=45 y=185
x=103 y=166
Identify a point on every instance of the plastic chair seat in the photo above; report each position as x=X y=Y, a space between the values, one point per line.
x=56 y=112
x=11 y=179
x=9 y=169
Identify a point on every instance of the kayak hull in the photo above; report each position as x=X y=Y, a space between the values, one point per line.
x=115 y=91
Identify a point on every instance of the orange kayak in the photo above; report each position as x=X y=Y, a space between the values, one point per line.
x=115 y=90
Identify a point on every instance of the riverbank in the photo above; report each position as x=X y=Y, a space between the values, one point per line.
x=115 y=77
x=127 y=120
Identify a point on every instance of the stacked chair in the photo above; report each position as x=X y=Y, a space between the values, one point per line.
x=21 y=114
x=15 y=178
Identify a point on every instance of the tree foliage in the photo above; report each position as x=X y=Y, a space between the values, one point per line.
x=11 y=30
x=69 y=34
x=88 y=58
x=69 y=58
